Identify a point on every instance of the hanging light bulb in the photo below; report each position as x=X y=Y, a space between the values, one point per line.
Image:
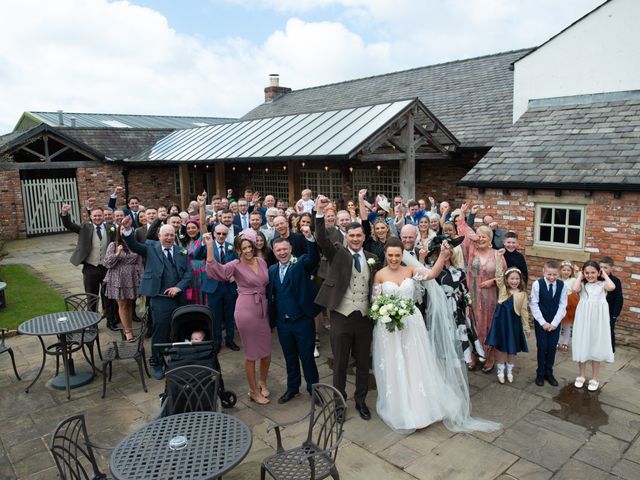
x=284 y=167
x=195 y=166
x=206 y=166
x=266 y=169
x=303 y=164
x=379 y=167
x=351 y=169
x=233 y=168
x=249 y=168
x=326 y=168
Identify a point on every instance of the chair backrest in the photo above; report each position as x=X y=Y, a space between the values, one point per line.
x=72 y=452
x=328 y=410
x=81 y=302
x=192 y=388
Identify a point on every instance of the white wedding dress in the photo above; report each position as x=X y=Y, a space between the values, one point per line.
x=420 y=377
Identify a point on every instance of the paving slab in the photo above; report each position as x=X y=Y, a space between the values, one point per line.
x=526 y=470
x=357 y=463
x=627 y=470
x=601 y=451
x=633 y=453
x=574 y=470
x=538 y=445
x=452 y=459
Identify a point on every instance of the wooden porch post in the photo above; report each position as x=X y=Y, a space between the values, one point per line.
x=184 y=186
x=408 y=165
x=220 y=180
x=293 y=169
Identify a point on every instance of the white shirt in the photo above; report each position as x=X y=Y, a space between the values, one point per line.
x=362 y=258
x=535 y=300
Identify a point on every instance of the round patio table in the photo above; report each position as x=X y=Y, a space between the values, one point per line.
x=194 y=446
x=61 y=324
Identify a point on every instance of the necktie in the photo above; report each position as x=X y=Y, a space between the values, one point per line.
x=222 y=253
x=169 y=256
x=551 y=290
x=244 y=222
x=283 y=271
x=99 y=231
x=356 y=262
x=413 y=253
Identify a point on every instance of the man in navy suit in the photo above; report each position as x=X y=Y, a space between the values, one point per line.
x=221 y=296
x=133 y=203
x=241 y=219
x=166 y=276
x=291 y=295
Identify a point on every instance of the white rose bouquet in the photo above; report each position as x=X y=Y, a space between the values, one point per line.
x=390 y=309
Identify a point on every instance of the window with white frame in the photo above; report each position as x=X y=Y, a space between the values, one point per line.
x=322 y=182
x=385 y=181
x=559 y=225
x=274 y=182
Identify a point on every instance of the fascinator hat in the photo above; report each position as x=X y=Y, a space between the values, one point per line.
x=436 y=242
x=249 y=234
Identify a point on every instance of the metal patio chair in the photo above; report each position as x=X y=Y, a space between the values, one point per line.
x=89 y=337
x=4 y=348
x=191 y=388
x=316 y=457
x=72 y=451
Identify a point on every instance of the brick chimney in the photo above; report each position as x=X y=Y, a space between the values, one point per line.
x=274 y=90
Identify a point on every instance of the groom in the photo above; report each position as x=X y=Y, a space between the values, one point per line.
x=345 y=293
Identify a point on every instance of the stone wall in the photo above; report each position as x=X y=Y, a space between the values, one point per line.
x=612 y=228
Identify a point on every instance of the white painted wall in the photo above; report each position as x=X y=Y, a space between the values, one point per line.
x=601 y=53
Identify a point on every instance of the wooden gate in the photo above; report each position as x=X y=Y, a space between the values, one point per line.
x=43 y=199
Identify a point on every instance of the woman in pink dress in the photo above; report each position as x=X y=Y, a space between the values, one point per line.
x=480 y=260
x=252 y=276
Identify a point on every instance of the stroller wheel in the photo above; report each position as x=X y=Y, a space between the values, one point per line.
x=228 y=399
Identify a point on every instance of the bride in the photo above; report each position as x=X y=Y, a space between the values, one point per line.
x=420 y=375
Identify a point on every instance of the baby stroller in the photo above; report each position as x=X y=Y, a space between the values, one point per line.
x=183 y=353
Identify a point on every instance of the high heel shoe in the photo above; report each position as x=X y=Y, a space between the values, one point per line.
x=258 y=398
x=264 y=390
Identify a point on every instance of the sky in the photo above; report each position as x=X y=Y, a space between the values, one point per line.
x=213 y=57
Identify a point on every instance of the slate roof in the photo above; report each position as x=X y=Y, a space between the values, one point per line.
x=117 y=143
x=592 y=144
x=113 y=120
x=473 y=98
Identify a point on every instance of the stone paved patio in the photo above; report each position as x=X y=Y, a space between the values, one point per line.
x=547 y=432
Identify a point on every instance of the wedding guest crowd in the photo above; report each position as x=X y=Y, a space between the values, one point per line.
x=260 y=264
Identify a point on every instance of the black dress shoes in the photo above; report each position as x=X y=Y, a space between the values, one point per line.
x=231 y=345
x=363 y=410
x=287 y=396
x=552 y=380
x=540 y=381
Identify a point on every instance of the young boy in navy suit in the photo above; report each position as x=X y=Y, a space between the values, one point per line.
x=614 y=298
x=548 y=306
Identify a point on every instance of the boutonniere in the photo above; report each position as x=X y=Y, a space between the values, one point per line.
x=371 y=262
x=112 y=229
x=230 y=248
x=181 y=236
x=293 y=261
x=183 y=251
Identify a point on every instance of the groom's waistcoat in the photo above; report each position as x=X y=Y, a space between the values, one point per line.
x=356 y=297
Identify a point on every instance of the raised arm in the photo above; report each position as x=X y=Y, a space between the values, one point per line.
x=202 y=200
x=362 y=208
x=322 y=236
x=215 y=270
x=130 y=239
x=66 y=219
x=312 y=258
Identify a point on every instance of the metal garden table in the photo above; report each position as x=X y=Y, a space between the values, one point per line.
x=194 y=446
x=61 y=324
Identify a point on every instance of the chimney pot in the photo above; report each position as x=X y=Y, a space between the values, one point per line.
x=60 y=119
x=274 y=90
x=73 y=122
x=274 y=79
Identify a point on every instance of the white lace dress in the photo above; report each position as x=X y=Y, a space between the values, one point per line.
x=591 y=329
x=412 y=393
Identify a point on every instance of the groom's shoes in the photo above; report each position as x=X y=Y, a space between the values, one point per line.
x=363 y=410
x=552 y=380
x=539 y=380
x=288 y=395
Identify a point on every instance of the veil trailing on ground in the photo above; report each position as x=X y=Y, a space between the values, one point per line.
x=442 y=338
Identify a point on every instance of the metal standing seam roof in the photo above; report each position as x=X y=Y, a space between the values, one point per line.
x=334 y=133
x=111 y=120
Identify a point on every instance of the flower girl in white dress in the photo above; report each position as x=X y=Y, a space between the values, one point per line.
x=414 y=387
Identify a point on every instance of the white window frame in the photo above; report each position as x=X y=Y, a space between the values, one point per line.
x=559 y=206
x=313 y=179
x=274 y=182
x=385 y=181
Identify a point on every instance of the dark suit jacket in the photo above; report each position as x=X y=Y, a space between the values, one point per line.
x=297 y=287
x=127 y=211
x=141 y=234
x=339 y=271
x=151 y=283
x=238 y=222
x=210 y=285
x=614 y=298
x=297 y=241
x=85 y=237
x=335 y=237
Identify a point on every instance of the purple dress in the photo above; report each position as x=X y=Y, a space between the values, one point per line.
x=251 y=306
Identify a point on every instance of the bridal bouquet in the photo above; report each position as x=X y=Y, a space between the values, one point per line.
x=390 y=309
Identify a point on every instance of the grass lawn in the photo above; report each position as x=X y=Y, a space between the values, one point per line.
x=26 y=296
